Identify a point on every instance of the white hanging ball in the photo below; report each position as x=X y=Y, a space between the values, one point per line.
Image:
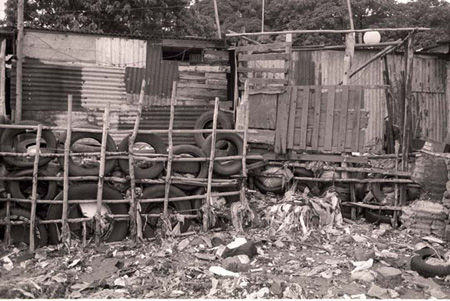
x=372 y=37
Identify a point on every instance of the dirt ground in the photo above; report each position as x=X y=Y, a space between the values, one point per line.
x=287 y=266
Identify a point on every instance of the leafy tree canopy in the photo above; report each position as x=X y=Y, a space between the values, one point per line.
x=196 y=17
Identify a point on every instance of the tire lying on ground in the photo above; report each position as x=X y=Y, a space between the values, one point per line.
x=199 y=169
x=47 y=190
x=222 y=167
x=116 y=231
x=144 y=172
x=205 y=121
x=8 y=139
x=266 y=184
x=375 y=217
x=21 y=233
x=77 y=169
x=419 y=265
x=156 y=192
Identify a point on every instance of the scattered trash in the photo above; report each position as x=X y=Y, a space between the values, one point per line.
x=362 y=265
x=7 y=263
x=389 y=272
x=222 y=272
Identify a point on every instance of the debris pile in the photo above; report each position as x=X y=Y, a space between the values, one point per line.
x=425 y=218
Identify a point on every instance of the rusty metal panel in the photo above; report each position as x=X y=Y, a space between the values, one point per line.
x=121 y=52
x=46 y=86
x=157 y=117
x=133 y=79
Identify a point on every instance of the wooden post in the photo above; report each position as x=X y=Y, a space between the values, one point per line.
x=19 y=63
x=349 y=47
x=2 y=78
x=290 y=74
x=212 y=156
x=216 y=14
x=166 y=219
x=34 y=188
x=8 y=222
x=390 y=108
x=245 y=104
x=406 y=139
x=135 y=208
x=396 y=194
x=101 y=175
x=262 y=16
x=65 y=231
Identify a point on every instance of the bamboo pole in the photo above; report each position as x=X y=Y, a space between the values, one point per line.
x=267 y=33
x=167 y=226
x=207 y=212
x=101 y=174
x=245 y=104
x=65 y=231
x=3 y=78
x=34 y=188
x=135 y=217
x=216 y=14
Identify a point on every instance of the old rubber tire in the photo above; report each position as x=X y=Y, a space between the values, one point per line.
x=88 y=191
x=144 y=173
x=374 y=217
x=21 y=233
x=17 y=193
x=375 y=188
x=78 y=170
x=156 y=192
x=265 y=189
x=6 y=145
x=199 y=168
x=205 y=122
x=427 y=270
x=221 y=168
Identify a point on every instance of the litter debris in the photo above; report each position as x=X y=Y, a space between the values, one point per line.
x=222 y=272
x=362 y=265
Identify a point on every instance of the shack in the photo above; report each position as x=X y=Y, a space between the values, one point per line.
x=98 y=68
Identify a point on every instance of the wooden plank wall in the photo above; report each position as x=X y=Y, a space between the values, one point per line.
x=202 y=83
x=328 y=119
x=264 y=65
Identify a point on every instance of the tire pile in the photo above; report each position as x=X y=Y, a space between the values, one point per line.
x=22 y=141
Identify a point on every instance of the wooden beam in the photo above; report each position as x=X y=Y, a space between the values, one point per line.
x=324 y=31
x=2 y=78
x=216 y=14
x=19 y=64
x=247 y=39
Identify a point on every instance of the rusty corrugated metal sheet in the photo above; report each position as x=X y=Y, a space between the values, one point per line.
x=158 y=117
x=46 y=86
x=121 y=52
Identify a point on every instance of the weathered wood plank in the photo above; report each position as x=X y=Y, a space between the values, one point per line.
x=330 y=118
x=263 y=48
x=264 y=80
x=291 y=126
x=264 y=57
x=343 y=119
x=263 y=111
x=201 y=86
x=272 y=70
x=357 y=121
x=282 y=121
x=304 y=121
x=216 y=69
x=262 y=136
x=316 y=124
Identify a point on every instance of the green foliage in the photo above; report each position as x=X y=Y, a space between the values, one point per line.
x=182 y=17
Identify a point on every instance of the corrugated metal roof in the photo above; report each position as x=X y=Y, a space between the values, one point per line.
x=129 y=36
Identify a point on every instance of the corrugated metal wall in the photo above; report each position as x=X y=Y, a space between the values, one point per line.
x=429 y=82
x=111 y=71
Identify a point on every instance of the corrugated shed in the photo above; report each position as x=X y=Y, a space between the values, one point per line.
x=121 y=52
x=46 y=86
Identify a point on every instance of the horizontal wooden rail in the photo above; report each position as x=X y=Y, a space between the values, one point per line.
x=341 y=31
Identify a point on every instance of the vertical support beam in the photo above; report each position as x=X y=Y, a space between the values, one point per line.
x=290 y=73
x=262 y=16
x=8 y=222
x=212 y=156
x=166 y=224
x=2 y=78
x=19 y=63
x=134 y=212
x=34 y=187
x=216 y=14
x=406 y=139
x=101 y=176
x=349 y=47
x=65 y=232
x=389 y=106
